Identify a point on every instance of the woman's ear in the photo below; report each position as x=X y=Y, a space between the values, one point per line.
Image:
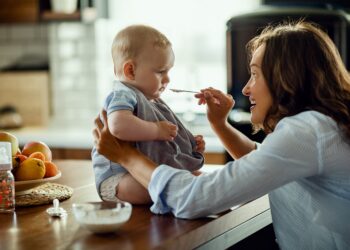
x=129 y=70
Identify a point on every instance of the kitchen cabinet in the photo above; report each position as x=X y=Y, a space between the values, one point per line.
x=47 y=13
x=71 y=153
x=33 y=11
x=28 y=93
x=85 y=154
x=19 y=11
x=75 y=142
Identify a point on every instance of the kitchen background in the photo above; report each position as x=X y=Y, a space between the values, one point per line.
x=57 y=68
x=78 y=53
x=77 y=56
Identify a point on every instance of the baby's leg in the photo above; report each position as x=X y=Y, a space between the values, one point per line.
x=132 y=191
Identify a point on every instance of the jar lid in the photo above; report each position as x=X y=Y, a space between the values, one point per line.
x=5 y=156
x=5 y=166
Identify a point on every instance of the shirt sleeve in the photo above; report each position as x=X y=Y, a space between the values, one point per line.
x=124 y=99
x=287 y=154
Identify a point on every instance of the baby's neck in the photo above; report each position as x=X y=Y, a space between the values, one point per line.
x=135 y=86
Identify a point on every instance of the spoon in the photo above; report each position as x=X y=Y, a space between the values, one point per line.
x=184 y=91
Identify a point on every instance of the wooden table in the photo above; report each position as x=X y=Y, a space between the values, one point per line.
x=31 y=228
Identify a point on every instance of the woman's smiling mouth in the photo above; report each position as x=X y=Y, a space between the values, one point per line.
x=252 y=104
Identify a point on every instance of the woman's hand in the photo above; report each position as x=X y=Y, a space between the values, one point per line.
x=108 y=145
x=218 y=103
x=137 y=164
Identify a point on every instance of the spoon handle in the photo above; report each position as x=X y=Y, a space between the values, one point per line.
x=184 y=91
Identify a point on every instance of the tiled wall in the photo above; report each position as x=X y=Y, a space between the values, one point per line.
x=73 y=72
x=17 y=41
x=78 y=54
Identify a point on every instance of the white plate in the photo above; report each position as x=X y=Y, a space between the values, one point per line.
x=23 y=187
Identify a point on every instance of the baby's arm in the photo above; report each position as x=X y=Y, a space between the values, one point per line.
x=124 y=125
x=132 y=191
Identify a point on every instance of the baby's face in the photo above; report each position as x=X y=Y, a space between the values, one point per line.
x=152 y=70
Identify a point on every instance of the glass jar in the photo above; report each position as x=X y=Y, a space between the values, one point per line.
x=7 y=180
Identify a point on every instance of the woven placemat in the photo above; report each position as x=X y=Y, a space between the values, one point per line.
x=44 y=194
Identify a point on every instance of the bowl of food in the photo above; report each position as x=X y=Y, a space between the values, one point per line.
x=24 y=187
x=102 y=217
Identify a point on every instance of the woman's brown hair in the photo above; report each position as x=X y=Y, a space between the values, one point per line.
x=303 y=71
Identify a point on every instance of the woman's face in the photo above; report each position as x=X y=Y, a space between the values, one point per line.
x=256 y=89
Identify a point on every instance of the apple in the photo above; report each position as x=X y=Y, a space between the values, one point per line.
x=37 y=146
x=5 y=136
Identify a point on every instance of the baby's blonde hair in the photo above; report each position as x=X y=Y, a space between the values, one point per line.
x=129 y=42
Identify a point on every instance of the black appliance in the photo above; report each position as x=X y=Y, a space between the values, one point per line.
x=242 y=28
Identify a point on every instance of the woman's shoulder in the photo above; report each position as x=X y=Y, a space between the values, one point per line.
x=308 y=122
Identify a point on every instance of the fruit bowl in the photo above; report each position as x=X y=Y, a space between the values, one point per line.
x=23 y=187
x=102 y=217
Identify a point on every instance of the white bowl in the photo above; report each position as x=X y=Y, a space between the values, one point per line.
x=102 y=217
x=23 y=187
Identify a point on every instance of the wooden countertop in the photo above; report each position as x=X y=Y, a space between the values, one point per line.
x=31 y=228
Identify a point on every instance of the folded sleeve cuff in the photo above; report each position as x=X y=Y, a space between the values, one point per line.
x=157 y=186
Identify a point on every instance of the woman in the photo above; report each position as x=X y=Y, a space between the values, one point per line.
x=299 y=92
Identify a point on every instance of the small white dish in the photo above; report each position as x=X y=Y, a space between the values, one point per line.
x=102 y=217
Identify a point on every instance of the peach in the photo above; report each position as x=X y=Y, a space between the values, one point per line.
x=16 y=160
x=37 y=146
x=51 y=169
x=38 y=155
x=20 y=158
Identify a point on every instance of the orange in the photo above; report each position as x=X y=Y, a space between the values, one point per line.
x=51 y=169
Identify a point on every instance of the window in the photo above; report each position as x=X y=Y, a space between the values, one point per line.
x=197 y=30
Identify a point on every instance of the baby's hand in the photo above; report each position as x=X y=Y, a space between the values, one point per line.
x=167 y=131
x=200 y=143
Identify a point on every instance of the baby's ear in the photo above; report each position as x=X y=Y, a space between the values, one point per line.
x=129 y=70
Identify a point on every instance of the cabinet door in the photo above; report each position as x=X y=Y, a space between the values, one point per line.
x=28 y=92
x=19 y=11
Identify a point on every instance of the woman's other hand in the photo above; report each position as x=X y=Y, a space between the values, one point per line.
x=218 y=103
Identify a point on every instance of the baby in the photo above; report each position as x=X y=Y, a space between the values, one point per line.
x=142 y=58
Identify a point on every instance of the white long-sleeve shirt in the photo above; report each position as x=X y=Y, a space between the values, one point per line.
x=304 y=165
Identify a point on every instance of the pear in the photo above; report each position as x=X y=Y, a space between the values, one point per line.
x=5 y=136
